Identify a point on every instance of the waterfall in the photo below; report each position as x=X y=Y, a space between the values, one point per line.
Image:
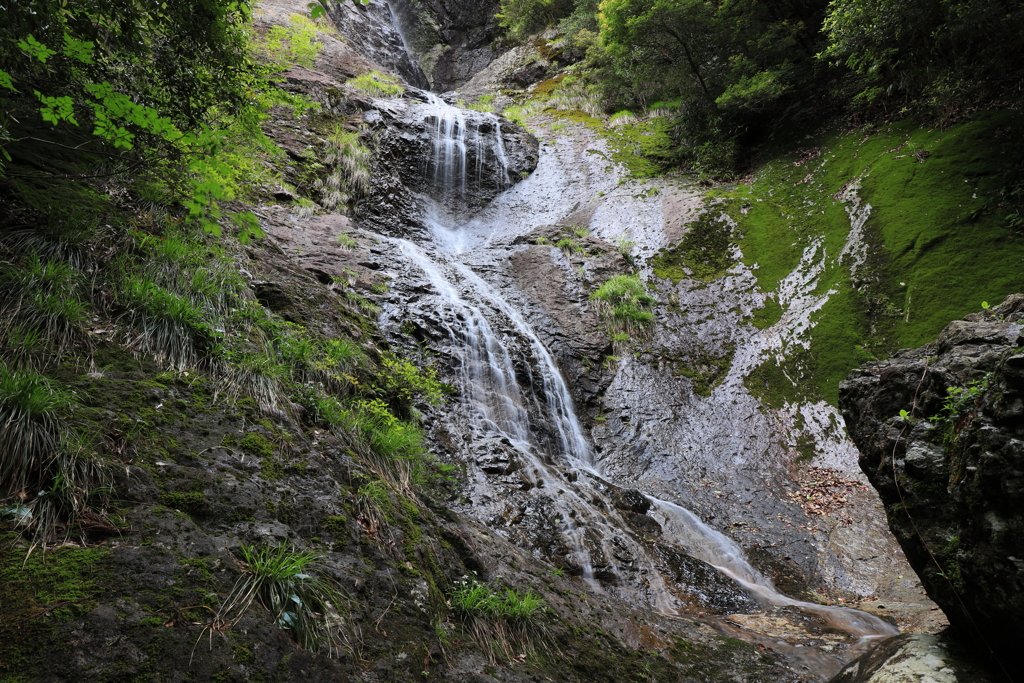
x=459 y=134
x=512 y=389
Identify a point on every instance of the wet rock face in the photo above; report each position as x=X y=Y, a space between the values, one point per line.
x=950 y=470
x=371 y=30
x=914 y=658
x=451 y=39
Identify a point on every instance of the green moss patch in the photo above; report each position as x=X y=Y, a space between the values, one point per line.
x=707 y=371
x=939 y=240
x=38 y=593
x=704 y=254
x=767 y=315
x=257 y=446
x=645 y=148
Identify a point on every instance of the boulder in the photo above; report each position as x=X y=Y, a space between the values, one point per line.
x=941 y=435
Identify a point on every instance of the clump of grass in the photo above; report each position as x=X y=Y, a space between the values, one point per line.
x=305 y=208
x=41 y=309
x=376 y=84
x=42 y=470
x=346 y=242
x=484 y=104
x=307 y=606
x=665 y=109
x=568 y=246
x=624 y=244
x=169 y=327
x=349 y=164
x=625 y=306
x=502 y=622
x=622 y=118
x=255 y=375
x=580 y=231
x=32 y=432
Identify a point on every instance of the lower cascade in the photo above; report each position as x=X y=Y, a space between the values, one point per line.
x=515 y=398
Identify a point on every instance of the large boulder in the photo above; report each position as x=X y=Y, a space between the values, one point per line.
x=941 y=435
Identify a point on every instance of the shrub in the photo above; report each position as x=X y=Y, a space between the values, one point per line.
x=524 y=17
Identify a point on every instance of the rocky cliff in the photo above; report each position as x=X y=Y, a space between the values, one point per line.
x=940 y=430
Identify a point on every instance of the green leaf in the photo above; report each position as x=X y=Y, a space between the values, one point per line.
x=248 y=226
x=6 y=82
x=904 y=414
x=57 y=109
x=78 y=49
x=36 y=49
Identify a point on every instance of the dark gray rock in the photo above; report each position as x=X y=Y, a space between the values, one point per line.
x=451 y=39
x=950 y=470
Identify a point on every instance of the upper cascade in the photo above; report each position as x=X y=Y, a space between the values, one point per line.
x=467 y=146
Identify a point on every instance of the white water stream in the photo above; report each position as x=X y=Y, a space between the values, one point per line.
x=555 y=447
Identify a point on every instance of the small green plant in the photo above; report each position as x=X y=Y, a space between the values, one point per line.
x=568 y=246
x=580 y=231
x=295 y=43
x=376 y=84
x=404 y=381
x=346 y=242
x=278 y=578
x=958 y=406
x=624 y=245
x=501 y=621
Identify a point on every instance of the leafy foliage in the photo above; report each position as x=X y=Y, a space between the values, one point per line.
x=168 y=90
x=941 y=49
x=521 y=18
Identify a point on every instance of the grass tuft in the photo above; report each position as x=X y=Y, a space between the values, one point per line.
x=305 y=605
x=502 y=622
x=45 y=480
x=625 y=306
x=376 y=84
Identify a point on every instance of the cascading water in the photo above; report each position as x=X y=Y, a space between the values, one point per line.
x=459 y=134
x=537 y=417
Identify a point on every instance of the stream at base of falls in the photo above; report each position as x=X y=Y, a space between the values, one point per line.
x=514 y=396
